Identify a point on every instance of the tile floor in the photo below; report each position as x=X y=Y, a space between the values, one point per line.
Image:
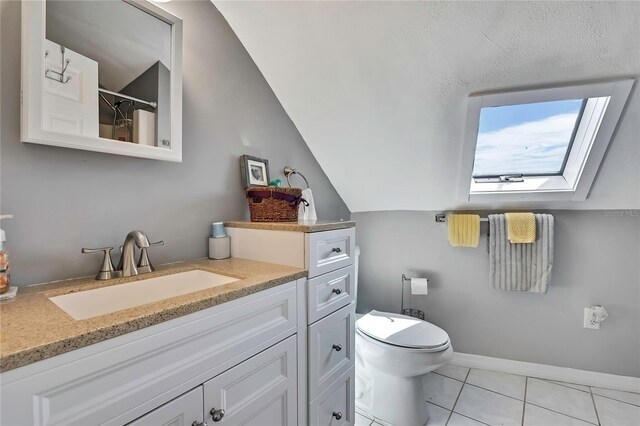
x=459 y=396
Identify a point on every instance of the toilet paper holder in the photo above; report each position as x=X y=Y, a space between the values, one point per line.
x=416 y=313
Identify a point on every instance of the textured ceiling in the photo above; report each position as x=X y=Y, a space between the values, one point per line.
x=378 y=89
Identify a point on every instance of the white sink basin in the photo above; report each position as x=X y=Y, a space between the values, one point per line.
x=92 y=303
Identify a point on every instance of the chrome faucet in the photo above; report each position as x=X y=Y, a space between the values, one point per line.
x=127 y=262
x=127 y=266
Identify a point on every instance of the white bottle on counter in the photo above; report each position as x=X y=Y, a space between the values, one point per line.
x=5 y=279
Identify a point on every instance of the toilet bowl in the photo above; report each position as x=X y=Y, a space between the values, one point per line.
x=393 y=354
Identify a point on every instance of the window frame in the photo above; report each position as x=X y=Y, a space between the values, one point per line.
x=603 y=108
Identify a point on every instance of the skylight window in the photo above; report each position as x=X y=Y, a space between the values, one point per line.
x=543 y=144
x=528 y=139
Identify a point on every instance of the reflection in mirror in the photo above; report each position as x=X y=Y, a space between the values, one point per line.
x=120 y=52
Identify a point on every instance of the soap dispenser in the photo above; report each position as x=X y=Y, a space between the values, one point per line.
x=4 y=259
x=219 y=242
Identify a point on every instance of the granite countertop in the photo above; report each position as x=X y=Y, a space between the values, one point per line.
x=300 y=226
x=34 y=328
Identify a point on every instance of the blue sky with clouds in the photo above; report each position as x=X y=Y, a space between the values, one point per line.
x=527 y=138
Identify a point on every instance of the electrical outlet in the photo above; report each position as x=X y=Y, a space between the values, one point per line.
x=587 y=320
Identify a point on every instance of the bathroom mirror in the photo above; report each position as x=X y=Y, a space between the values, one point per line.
x=102 y=75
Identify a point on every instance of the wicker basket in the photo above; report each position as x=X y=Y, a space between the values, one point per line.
x=273 y=204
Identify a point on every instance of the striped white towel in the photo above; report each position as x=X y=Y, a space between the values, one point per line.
x=524 y=267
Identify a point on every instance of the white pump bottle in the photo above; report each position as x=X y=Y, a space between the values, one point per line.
x=4 y=259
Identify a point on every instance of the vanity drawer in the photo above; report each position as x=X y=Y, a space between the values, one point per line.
x=330 y=292
x=330 y=250
x=335 y=406
x=331 y=348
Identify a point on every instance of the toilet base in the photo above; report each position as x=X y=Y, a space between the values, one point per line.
x=394 y=400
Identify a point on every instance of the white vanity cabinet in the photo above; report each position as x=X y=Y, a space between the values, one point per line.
x=239 y=356
x=326 y=328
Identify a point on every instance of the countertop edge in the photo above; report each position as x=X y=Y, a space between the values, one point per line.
x=291 y=226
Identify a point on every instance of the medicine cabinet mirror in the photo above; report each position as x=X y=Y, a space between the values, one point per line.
x=102 y=75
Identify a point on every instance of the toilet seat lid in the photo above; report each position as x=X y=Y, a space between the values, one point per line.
x=402 y=330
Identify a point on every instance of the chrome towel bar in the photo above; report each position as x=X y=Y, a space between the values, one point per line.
x=442 y=218
x=288 y=171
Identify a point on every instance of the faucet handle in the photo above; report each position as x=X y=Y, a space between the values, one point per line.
x=96 y=250
x=106 y=270
x=144 y=264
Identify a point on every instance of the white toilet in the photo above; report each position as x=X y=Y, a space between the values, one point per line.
x=393 y=354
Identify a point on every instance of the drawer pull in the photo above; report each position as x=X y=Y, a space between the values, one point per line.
x=338 y=348
x=336 y=291
x=336 y=250
x=337 y=415
x=216 y=415
x=197 y=423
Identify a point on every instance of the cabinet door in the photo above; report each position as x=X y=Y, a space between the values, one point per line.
x=331 y=348
x=185 y=410
x=260 y=391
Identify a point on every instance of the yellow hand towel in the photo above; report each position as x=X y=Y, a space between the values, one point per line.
x=464 y=230
x=521 y=227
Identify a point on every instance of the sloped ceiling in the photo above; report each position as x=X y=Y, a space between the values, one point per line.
x=378 y=89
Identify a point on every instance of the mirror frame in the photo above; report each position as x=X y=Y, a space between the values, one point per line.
x=32 y=80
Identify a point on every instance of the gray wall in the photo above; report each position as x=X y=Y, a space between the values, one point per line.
x=67 y=199
x=597 y=257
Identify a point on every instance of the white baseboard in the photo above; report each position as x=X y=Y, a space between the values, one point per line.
x=549 y=372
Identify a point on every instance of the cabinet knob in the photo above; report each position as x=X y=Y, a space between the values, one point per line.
x=337 y=415
x=197 y=423
x=338 y=348
x=336 y=250
x=336 y=291
x=216 y=415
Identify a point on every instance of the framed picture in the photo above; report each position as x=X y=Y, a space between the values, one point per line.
x=255 y=171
